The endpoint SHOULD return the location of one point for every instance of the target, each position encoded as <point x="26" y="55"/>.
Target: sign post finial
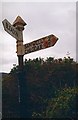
<point x="19" y="23"/>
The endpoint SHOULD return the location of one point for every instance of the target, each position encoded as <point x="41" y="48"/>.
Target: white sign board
<point x="42" y="43"/>
<point x="12" y="30"/>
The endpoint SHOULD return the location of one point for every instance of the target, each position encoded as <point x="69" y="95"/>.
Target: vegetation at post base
<point x="50" y="85"/>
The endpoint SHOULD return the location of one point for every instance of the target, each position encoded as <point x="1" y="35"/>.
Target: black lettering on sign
<point x="31" y="47"/>
<point x="14" y="32"/>
<point x="11" y="29"/>
<point x="6" y="25"/>
<point x="49" y="41"/>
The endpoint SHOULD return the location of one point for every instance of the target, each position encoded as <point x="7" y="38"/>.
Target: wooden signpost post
<point x="16" y="30"/>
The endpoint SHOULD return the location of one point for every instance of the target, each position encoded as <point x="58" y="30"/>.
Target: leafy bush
<point x="40" y="80"/>
<point x="62" y="106"/>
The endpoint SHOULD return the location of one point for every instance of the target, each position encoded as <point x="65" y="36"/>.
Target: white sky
<point x="58" y="18"/>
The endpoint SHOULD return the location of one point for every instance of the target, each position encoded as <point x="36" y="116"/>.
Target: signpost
<point x="42" y="43"/>
<point x="36" y="45"/>
<point x="16" y="30"/>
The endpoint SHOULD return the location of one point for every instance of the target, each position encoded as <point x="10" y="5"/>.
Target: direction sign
<point x="12" y="30"/>
<point x="41" y="43"/>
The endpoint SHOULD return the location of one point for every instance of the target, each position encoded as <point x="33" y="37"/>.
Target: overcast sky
<point x="42" y="19"/>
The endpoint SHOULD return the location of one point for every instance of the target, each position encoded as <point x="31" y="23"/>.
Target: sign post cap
<point x="19" y="21"/>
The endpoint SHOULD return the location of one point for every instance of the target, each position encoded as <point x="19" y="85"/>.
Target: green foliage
<point x="63" y="105"/>
<point x="43" y="79"/>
